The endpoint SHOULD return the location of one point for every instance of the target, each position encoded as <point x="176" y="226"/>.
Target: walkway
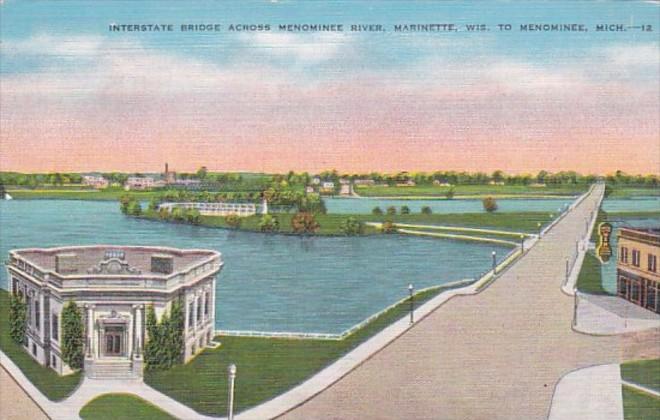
<point x="609" y="315"/>
<point x="14" y="402"/>
<point x="495" y="355"/>
<point x="592" y="393"/>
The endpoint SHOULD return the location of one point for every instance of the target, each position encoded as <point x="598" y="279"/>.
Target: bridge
<point x="498" y="354"/>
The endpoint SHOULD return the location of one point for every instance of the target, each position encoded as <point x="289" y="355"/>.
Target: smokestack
<point x="166" y="170"/>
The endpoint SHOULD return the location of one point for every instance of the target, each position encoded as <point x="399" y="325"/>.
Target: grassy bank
<point x="639" y="406"/>
<point x="631" y="192"/>
<point x="78" y="194"/>
<point x="590" y="278"/>
<point x="473" y="191"/>
<point x="122" y="406"/>
<point x="266" y="367"/>
<point x="52" y="385"/>
<point x="642" y="372"/>
<point x="330" y="223"/>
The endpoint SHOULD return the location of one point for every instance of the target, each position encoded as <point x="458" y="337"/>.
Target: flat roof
<point x="84" y="258"/>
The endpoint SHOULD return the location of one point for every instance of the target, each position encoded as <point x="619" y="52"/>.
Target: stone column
<point x="90" y="329"/>
<point x="139" y="338"/>
<point x="195" y="303"/>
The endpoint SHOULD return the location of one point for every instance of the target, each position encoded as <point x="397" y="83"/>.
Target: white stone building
<point x="113" y="285"/>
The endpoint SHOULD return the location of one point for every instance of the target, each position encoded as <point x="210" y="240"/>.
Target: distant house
<point x="496" y="183"/>
<point x="345" y="189"/>
<point x="140" y="183"/>
<point x="309" y="189"/>
<point x="327" y="187"/>
<point x="537" y="185"/>
<point x="408" y="183"/>
<point x="95" y="181"/>
<point x="441" y="184"/>
<point x="364" y="182"/>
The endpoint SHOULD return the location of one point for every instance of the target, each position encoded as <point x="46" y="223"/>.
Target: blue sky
<point x="58" y="59"/>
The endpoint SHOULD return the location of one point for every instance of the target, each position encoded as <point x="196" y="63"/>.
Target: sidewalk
<point x="90" y="388"/>
<point x="592" y="393"/>
<point x="611" y="315"/>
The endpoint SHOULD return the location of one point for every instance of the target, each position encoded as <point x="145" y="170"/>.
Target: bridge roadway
<point x="495" y="355"/>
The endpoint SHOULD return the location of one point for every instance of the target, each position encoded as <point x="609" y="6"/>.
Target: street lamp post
<point x="522" y="243"/>
<point x="538" y="225"/>
<point x="232" y="377"/>
<point x="494" y="254"/>
<point x="411" y="289"/>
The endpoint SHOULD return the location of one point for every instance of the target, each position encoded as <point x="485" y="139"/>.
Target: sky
<point x="75" y="96"/>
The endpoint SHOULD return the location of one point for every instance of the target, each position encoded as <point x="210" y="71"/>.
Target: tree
<point x="391" y="210"/>
<point x="233" y="221"/>
<point x="193" y="216"/>
<point x="202" y="172"/>
<point x="269" y="223"/>
<point x="352" y="227"/>
<point x="450" y="193"/>
<point x="134" y="208"/>
<point x="388" y="227"/>
<point x="153" y="204"/>
<point x="304" y="223"/>
<point x="17" y="318"/>
<point x="165" y="339"/>
<point x="490" y="205"/>
<point x="377" y="211"/>
<point x="426" y="210"/>
<point x="72" y="335"/>
<point x="405" y="210"/>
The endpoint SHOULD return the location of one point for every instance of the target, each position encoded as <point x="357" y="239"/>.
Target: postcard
<point x="329" y="209"/>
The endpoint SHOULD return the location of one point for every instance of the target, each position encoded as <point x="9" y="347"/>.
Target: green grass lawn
<point x="642" y="372"/>
<point x="330" y="223"/>
<point x="266" y="367"/>
<point x="628" y="192"/>
<point x="122" y="406"/>
<point x="77" y="194"/>
<point x="469" y="190"/>
<point x="52" y="385"/>
<point x="590" y="277"/>
<point x="640" y="406"/>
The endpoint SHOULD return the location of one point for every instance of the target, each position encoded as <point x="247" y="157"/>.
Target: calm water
<point x="269" y="283"/>
<point x="632" y="204"/>
<point x="365" y="205"/>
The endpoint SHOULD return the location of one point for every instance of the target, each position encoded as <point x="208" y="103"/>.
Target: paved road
<point x="14" y="402"/>
<point x="497" y="355"/>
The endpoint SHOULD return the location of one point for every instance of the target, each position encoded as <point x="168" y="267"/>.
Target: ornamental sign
<point x="604" y="250"/>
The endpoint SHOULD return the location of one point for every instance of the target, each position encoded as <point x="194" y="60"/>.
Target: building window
<point x="14" y="287"/>
<point x="37" y="315"/>
<point x="624" y="255"/>
<point x="53" y="362"/>
<point x="653" y="263"/>
<point x="55" y="333"/>
<point x="34" y="349"/>
<point x="199" y="310"/>
<point x="635" y="257"/>
<point x="190" y="314"/>
<point x="206" y="304"/>
<point x="622" y="286"/>
<point x="634" y="291"/>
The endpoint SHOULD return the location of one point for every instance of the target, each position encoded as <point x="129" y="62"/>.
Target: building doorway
<point x="114" y="341"/>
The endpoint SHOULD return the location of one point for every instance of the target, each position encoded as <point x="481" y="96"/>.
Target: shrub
<point x="427" y="210"/>
<point x="165" y="340"/>
<point x="490" y="205"/>
<point x="388" y="227"/>
<point x="17" y="318"/>
<point x="233" y="221"/>
<point x="153" y="204"/>
<point x="450" y="193"/>
<point x="405" y="210"/>
<point x="269" y="223"/>
<point x="72" y="335"/>
<point x="304" y="223"/>
<point x="352" y="227"/>
<point x="193" y="216"/>
<point x="377" y="211"/>
<point x="163" y="213"/>
<point x="134" y="208"/>
<point x="391" y="210"/>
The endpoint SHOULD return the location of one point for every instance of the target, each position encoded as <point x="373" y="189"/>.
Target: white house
<point x="113" y="286"/>
<point x="95" y="181"/>
<point x="139" y="183"/>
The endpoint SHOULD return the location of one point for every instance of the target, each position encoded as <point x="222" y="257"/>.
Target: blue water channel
<point x="270" y="282"/>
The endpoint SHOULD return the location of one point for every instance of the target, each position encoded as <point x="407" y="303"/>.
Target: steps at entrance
<point x="110" y="369"/>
